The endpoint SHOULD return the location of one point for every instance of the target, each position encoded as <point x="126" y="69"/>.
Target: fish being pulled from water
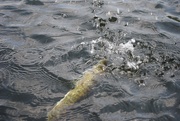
<point x="81" y="89"/>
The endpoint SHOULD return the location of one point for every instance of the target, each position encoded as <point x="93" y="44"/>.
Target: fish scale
<point x="81" y="89"/>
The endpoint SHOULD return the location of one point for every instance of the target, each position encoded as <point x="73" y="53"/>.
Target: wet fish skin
<point x="81" y="89"/>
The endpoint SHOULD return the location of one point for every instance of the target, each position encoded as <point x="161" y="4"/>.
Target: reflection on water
<point x="46" y="45"/>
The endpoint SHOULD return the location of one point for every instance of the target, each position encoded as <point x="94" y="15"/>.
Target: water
<point x="45" y="46"/>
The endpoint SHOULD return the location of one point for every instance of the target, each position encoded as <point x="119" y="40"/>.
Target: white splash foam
<point x="82" y="43"/>
<point x="118" y="52"/>
<point x="92" y="48"/>
<point x="112" y="47"/>
<point x="132" y="65"/>
<point x="127" y="46"/>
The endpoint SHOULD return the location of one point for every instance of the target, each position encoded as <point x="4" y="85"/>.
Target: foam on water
<point x="123" y="51"/>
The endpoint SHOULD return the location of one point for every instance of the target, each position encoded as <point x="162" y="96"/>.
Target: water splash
<point x="117" y="53"/>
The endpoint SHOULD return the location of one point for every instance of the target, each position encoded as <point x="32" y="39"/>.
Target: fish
<point x="81" y="89"/>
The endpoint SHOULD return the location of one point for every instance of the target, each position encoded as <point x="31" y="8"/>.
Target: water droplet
<point x="118" y="12"/>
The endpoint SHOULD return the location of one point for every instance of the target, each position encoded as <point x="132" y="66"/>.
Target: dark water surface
<point x="46" y="45"/>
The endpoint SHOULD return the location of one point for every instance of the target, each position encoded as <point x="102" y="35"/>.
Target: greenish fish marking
<point x="81" y="89"/>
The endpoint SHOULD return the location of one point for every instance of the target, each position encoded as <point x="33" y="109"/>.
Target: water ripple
<point x="46" y="45"/>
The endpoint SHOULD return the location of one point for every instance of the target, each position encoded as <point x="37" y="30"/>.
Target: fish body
<point x="81" y="89"/>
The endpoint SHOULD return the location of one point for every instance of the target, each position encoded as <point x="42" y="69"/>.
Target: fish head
<point x="100" y="67"/>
